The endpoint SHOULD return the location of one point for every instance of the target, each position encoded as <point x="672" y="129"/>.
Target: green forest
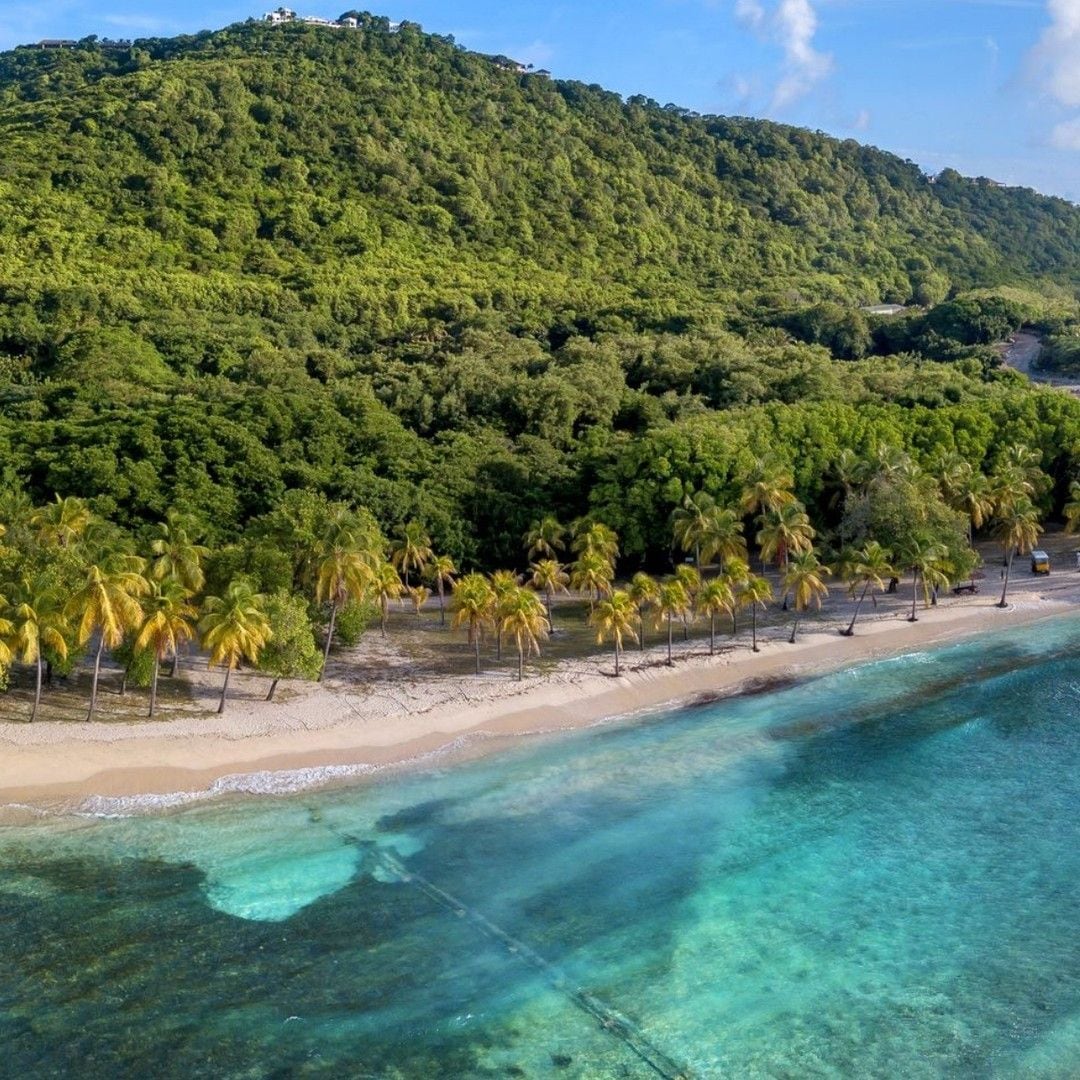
<point x="274" y="263"/>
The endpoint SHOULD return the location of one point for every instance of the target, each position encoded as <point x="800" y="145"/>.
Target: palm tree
<point x="969" y="492"/>
<point x="549" y="577"/>
<point x="419" y="595"/>
<point x="805" y="580"/>
<point x="724" y="537"/>
<point x="440" y="572"/>
<point x="545" y="539"/>
<point x="473" y="605"/>
<point x="927" y="560"/>
<point x="714" y="599"/>
<point x="37" y="623"/>
<point x="1072" y="509"/>
<point x="690" y="580"/>
<point x="755" y="592"/>
<point x="1017" y="528"/>
<point x="766" y="489"/>
<point x="63" y="522"/>
<point x="411" y="551"/>
<point x="784" y="532"/>
<point x="107" y="604"/>
<point x="344" y="572"/>
<point x="594" y="537"/>
<point x="176" y="555"/>
<point x="735" y="574"/>
<point x="522" y="616"/>
<point x="592" y="573"/>
<point x="234" y="627"/>
<point x="671" y="604"/>
<point x="503" y="584"/>
<point x="691" y="523"/>
<point x="614" y="618"/>
<point x="387" y="586"/>
<point x="870" y="567"/>
<point x="168" y="623"/>
<point x="643" y="592"/>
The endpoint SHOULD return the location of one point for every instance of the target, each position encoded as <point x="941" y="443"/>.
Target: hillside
<point x="372" y="263"/>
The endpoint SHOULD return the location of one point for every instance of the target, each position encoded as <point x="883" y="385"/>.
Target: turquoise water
<point x="875" y="873"/>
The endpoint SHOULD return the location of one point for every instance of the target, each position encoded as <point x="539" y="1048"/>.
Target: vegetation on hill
<point x="373" y="266"/>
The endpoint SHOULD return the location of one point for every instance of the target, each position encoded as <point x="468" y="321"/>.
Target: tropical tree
<point x="804" y="579"/>
<point x="927" y="559"/>
<point x="440" y="572"/>
<point x="234" y="627"/>
<point x="169" y="621"/>
<point x="593" y="573"/>
<point x="724" y="538"/>
<point x="291" y="652"/>
<point x="1072" y="509"/>
<point x="386" y="585"/>
<point x="345" y="571"/>
<point x="715" y="598"/>
<point x="107" y="604"/>
<point x="549" y="577"/>
<point x="419" y="595"/>
<point x="767" y="489"/>
<point x="754" y="592"/>
<point x="691" y="523"/>
<point x="411" y="550"/>
<point x="784" y="532"/>
<point x="63" y="522"/>
<point x="596" y="538"/>
<point x="37" y="622"/>
<point x="1017" y="529"/>
<point x="544" y="539"/>
<point x="522" y="616"/>
<point x="503" y="584"/>
<point x="614" y="618"/>
<point x="870" y="567"/>
<point x="176" y="555"/>
<point x="689" y="578"/>
<point x="671" y="604"/>
<point x="643" y="592"/>
<point x="736" y="572"/>
<point x="473" y="605"/>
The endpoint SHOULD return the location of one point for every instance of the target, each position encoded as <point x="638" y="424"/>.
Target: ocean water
<point x="871" y="874"/>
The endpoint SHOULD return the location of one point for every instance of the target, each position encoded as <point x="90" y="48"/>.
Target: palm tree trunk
<point x="329" y="640"/>
<point x="1005" y="586"/>
<point x="37" y="686"/>
<point x="641" y="628"/>
<point x="851" y="625"/>
<point x="914" y="594"/>
<point x="551" y="623"/>
<point x="498" y="643"/>
<point x="153" y="686"/>
<point x="476" y="646"/>
<point x="685" y="628"/>
<point x="442" y="604"/>
<point x="385" y="608"/>
<point x="126" y="675"/>
<point x="273" y="687"/>
<point x="175" y="663"/>
<point x="669" y="620"/>
<point x="794" y="630"/>
<point x="521" y="662"/>
<point x="224" y="690"/>
<point x="712" y="635"/>
<point x="734" y="623"/>
<point x="616" y="658"/>
<point x="97" y="672"/>
<point x="753" y="628"/>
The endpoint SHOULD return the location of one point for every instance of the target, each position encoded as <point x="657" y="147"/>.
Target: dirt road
<point x="1022" y="354"/>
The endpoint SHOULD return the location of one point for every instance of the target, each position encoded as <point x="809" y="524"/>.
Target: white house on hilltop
<point x="282" y="15"/>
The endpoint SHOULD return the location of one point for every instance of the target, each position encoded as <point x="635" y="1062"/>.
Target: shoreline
<point x="321" y="736"/>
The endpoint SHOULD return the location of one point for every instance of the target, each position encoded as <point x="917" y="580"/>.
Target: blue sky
<point x="991" y="87"/>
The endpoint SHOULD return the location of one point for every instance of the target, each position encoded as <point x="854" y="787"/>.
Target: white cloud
<point x="1057" y="60"/>
<point x="862" y="120"/>
<point x="793" y="25"/>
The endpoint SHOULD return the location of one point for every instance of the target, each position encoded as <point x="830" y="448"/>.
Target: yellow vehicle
<point x="1040" y="562"/>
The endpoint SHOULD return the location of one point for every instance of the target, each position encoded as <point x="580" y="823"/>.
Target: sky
<point x="989" y="87"/>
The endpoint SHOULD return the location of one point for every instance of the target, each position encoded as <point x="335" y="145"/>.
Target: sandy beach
<point x="342" y="729"/>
